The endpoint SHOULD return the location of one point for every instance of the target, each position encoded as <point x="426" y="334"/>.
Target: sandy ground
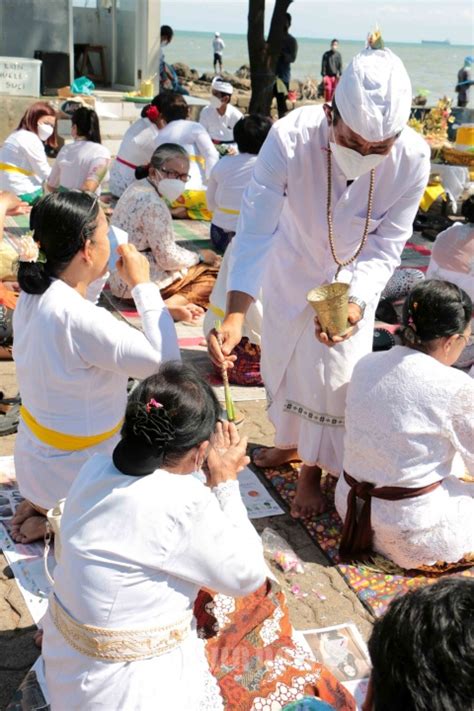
<point x="18" y="653"/>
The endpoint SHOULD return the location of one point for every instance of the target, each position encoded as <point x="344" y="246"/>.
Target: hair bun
<point x="152" y="424"/>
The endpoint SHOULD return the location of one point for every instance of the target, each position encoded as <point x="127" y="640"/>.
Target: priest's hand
<point x="227" y="454"/>
<point x="220" y="345"/>
<point x="354" y="316"/>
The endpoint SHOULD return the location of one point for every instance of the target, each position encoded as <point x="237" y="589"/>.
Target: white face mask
<point x="353" y="164"/>
<point x="215" y="102"/>
<point x="171" y="188"/>
<point x="45" y="131"/>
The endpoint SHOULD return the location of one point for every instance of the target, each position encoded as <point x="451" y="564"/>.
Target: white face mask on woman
<point x="354" y="164"/>
<point x="45" y="131"/>
<point x="171" y="188"/>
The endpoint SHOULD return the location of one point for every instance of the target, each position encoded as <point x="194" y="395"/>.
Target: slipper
<point x="9" y="420"/>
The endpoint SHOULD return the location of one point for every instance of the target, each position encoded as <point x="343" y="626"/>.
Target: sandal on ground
<point x="9" y="419"/>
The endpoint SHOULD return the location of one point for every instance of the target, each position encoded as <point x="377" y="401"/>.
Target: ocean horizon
<point x="432" y="67"/>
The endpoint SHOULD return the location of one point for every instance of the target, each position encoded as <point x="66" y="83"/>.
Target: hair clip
<point x="152" y="404"/>
<point x="152" y="113"/>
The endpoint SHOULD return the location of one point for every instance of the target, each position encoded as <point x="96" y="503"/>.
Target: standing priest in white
<point x="325" y="178"/>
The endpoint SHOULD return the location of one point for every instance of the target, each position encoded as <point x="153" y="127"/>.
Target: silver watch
<point x="361" y="304"/>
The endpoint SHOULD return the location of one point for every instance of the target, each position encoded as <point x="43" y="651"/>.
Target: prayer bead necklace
<point x="344" y="263"/>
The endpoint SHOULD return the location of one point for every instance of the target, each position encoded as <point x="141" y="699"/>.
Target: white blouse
<point x="23" y="149"/>
<point x="408" y="418"/>
<point x="228" y="180"/>
<point x="146" y="217"/>
<point x="136" y="551"/>
<point x="73" y="360"/>
<point x="78" y="162"/>
<point x="136" y="148"/>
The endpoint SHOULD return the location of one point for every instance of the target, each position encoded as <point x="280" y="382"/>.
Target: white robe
<point x="137" y="149"/>
<point x="73" y="360"/>
<point x="407" y="418"/>
<point x="135" y="552"/>
<point x="282" y="244"/>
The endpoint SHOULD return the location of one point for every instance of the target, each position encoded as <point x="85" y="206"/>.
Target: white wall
<point x="28" y="25"/>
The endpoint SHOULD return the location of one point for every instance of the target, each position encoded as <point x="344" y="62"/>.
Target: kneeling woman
<point x="73" y="358"/>
<point x="185" y="278"/>
<point x="140" y="535"/>
<point x="408" y="416"/>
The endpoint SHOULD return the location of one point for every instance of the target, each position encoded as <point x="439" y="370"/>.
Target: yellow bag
<point x="195" y="203"/>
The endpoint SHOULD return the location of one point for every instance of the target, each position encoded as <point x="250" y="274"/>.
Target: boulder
<point x="243" y="72"/>
<point x="185" y="72"/>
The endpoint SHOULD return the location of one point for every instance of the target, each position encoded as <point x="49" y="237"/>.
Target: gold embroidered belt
<point x="119" y="645"/>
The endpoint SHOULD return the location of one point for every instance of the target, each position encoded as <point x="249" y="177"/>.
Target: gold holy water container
<point x="146" y="88"/>
<point x="331" y="303"/>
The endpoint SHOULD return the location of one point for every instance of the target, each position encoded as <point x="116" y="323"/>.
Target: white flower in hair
<point x="28" y="249"/>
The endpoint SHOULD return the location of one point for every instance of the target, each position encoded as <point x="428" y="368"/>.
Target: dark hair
<point x="168" y="414"/>
<point x="86" y="122"/>
<point x="29" y="120"/>
<point x="467" y="209"/>
<point x="167" y="32"/>
<point x="173" y="107"/>
<point x="421" y="649"/>
<point x="167" y="151"/>
<point x="251" y="131"/>
<point x="434" y="309"/>
<point x="334" y="40"/>
<point x="288" y="19"/>
<point x="61" y="224"/>
<point x="156" y="102"/>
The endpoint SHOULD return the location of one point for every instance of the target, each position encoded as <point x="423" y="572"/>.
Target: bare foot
<point x="267" y="457"/>
<point x="38" y="638"/>
<point x="190" y="313"/>
<point x="24" y="510"/>
<point x="309" y="500"/>
<point x="33" y="529"/>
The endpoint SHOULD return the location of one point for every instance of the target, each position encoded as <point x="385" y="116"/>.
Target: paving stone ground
<point x="18" y="653"/>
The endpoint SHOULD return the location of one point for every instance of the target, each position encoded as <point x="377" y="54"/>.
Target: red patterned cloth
<point x="252" y="654"/>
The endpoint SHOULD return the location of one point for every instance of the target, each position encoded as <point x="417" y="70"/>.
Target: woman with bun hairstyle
<point x="140" y="536"/>
<point x="137" y="146"/>
<point x="73" y="359"/>
<point x="408" y="418"/>
<point x="83" y="164"/>
<point x="23" y="164"/>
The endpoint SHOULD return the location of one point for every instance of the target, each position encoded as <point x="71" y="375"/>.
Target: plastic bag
<point x="281" y="552"/>
<point x="82" y="85"/>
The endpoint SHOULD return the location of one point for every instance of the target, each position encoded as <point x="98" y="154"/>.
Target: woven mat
<point x="374" y="587"/>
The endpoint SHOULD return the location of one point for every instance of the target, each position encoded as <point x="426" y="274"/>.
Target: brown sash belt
<point x="356" y="540"/>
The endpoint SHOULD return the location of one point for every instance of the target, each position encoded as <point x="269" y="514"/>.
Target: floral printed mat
<point x="374" y="587"/>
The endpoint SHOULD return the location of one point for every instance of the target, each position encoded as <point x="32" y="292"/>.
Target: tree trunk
<point x="264" y="53"/>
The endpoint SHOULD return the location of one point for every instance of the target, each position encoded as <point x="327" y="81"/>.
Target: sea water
<point x="430" y="66"/>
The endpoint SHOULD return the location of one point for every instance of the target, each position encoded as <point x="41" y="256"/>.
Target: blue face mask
<point x="116" y="237"/>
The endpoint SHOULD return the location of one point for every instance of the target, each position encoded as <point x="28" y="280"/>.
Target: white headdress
<point x="374" y="95"/>
<point x="225" y="87"/>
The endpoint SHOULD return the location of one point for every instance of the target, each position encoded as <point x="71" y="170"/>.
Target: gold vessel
<point x="331" y="303"/>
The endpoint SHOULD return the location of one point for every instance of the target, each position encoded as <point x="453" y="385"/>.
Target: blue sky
<point x="400" y="20"/>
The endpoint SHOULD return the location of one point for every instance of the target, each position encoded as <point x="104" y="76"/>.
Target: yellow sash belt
<point x="217" y="311"/>
<point x="228" y="211"/>
<point x="198" y="159"/>
<point x="61" y="440"/>
<point x="15" y="169"/>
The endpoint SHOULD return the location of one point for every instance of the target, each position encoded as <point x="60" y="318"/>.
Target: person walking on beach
<point x="464" y="82"/>
<point x="333" y="188"/>
<point x="331" y="70"/>
<point x="218" y="47"/>
<point x="287" y="56"/>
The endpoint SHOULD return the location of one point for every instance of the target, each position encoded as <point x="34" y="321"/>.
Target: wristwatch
<point x="358" y="302"/>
